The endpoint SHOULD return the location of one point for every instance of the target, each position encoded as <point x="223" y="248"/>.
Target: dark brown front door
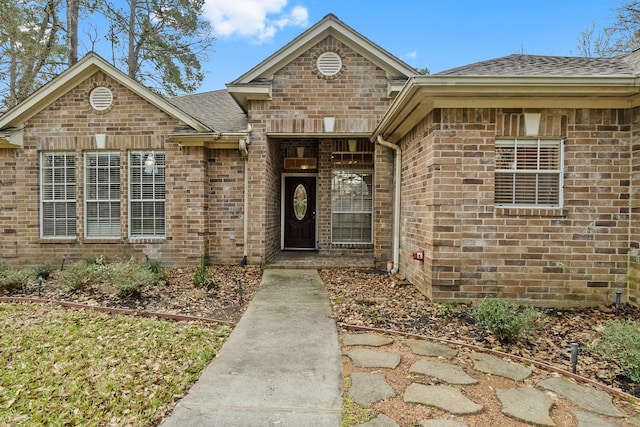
<point x="299" y="212"/>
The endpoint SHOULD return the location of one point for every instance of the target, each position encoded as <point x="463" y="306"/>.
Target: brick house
<point x="513" y="177"/>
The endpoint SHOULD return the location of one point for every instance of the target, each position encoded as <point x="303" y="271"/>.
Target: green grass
<point x="68" y="367"/>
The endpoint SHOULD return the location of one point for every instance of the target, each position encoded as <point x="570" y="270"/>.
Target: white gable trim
<point x="73" y="76"/>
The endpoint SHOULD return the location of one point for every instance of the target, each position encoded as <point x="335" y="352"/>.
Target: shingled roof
<point x="538" y="65"/>
<point x="216" y="109"/>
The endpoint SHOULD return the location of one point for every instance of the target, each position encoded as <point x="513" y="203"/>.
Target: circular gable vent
<point x="101" y="98"/>
<point x="329" y="64"/>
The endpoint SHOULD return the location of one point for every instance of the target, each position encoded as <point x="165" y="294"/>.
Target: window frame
<point x="538" y="171"/>
<point x="358" y="163"/>
<point x="70" y="200"/>
<point x="113" y="220"/>
<point x="140" y="167"/>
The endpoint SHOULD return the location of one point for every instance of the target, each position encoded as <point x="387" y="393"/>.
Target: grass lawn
<point x="69" y="367"/>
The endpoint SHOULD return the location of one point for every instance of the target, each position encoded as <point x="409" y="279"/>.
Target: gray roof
<point x="538" y="65"/>
<point x="216" y="109"/>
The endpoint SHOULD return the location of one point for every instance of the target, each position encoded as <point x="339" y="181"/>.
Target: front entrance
<point x="299" y="212"/>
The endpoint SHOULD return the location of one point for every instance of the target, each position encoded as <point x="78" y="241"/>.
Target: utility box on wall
<point x="418" y="254"/>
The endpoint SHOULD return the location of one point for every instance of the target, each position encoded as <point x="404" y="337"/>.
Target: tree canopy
<point x="621" y="37"/>
<point x="159" y="43"/>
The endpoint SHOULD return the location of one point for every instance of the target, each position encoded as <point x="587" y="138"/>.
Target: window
<point x="102" y="194"/>
<point x="57" y="195"/>
<point x="528" y="173"/>
<point x="147" y="194"/>
<point x="351" y="195"/>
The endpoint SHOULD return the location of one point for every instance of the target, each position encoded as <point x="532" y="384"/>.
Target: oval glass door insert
<point x="300" y="202"/>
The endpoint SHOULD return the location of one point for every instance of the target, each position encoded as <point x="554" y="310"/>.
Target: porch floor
<point x="313" y="259"/>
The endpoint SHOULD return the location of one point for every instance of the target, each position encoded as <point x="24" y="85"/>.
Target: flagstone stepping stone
<point x="431" y="349"/>
<point x="526" y="404"/>
<point x="587" y="419"/>
<point x="441" y="423"/>
<point x="380" y="421"/>
<point x="374" y="359"/>
<point x="495" y="366"/>
<point x="635" y="421"/>
<point x="453" y="374"/>
<point x="441" y="396"/>
<point x="584" y="396"/>
<point x="367" y="388"/>
<point x="373" y="340"/>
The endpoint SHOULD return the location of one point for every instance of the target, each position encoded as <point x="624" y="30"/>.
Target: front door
<point x="299" y="218"/>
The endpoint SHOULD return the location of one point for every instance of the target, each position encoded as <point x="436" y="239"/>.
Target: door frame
<point x="282" y="210"/>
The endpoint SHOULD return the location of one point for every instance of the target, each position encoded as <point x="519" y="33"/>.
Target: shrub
<point x="78" y="275"/>
<point x="202" y="277"/>
<point x="622" y="340"/>
<point x="505" y="319"/>
<point x="16" y="280"/>
<point x="43" y="270"/>
<point x="131" y="280"/>
<point x="156" y="268"/>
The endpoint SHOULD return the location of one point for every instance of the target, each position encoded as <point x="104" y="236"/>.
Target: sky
<point x="437" y="35"/>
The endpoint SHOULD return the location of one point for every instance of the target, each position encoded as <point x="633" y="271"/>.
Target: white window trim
<point x="152" y="168"/>
<point x="87" y="201"/>
<point x="365" y="212"/>
<point x="73" y="200"/>
<point x="560" y="172"/>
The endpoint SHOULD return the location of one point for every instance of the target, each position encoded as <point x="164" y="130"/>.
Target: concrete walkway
<point x="280" y="366"/>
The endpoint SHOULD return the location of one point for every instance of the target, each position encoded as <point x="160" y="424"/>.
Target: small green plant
<point x="449" y="311"/>
<point x="43" y="270"/>
<point x="130" y="280"/>
<point x="621" y="339"/>
<point x="156" y="268"/>
<point x="16" y="279"/>
<point x="202" y="277"/>
<point x="506" y="320"/>
<point x="78" y="275"/>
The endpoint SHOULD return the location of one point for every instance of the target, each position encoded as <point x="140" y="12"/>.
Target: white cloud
<point x="257" y="19"/>
<point x="411" y="55"/>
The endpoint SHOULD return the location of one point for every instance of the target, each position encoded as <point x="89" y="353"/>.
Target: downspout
<point x="244" y="150"/>
<point x="397" y="169"/>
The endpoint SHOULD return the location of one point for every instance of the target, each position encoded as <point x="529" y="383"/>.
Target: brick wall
<point x="69" y="124"/>
<point x="225" y="188"/>
<point x="634" y="229"/>
<point x="301" y="98"/>
<point x="571" y="256"/>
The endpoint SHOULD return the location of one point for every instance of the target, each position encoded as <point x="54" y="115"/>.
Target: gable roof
<point x="216" y="109"/>
<point x="13" y="120"/>
<point x="538" y="65"/>
<point x="256" y="83"/>
<point x="517" y="81"/>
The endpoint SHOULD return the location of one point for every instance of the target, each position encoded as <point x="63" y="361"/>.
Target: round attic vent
<point x="329" y="64"/>
<point x="101" y="98"/>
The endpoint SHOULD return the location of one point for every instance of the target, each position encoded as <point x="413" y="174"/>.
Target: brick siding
<point x="571" y="256"/>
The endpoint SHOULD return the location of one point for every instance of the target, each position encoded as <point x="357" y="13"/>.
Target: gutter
<point x="397" y="169"/>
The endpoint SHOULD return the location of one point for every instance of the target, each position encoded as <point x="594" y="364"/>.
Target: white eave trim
<point x="225" y="140"/>
<point x="84" y="68"/>
<point x="421" y="94"/>
<point x="12" y="139"/>
<point x="243" y="93"/>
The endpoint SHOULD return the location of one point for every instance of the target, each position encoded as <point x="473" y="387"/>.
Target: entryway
<point x="299" y="212"/>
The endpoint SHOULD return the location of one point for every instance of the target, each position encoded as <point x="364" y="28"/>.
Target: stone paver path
<point x="453" y="374"/>
<point x="527" y="402"/>
<point x="585" y="397"/>
<point x="368" y="388"/>
<point x="441" y="396"/>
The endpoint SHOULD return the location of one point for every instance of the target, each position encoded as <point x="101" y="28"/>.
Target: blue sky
<point x="425" y="33"/>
